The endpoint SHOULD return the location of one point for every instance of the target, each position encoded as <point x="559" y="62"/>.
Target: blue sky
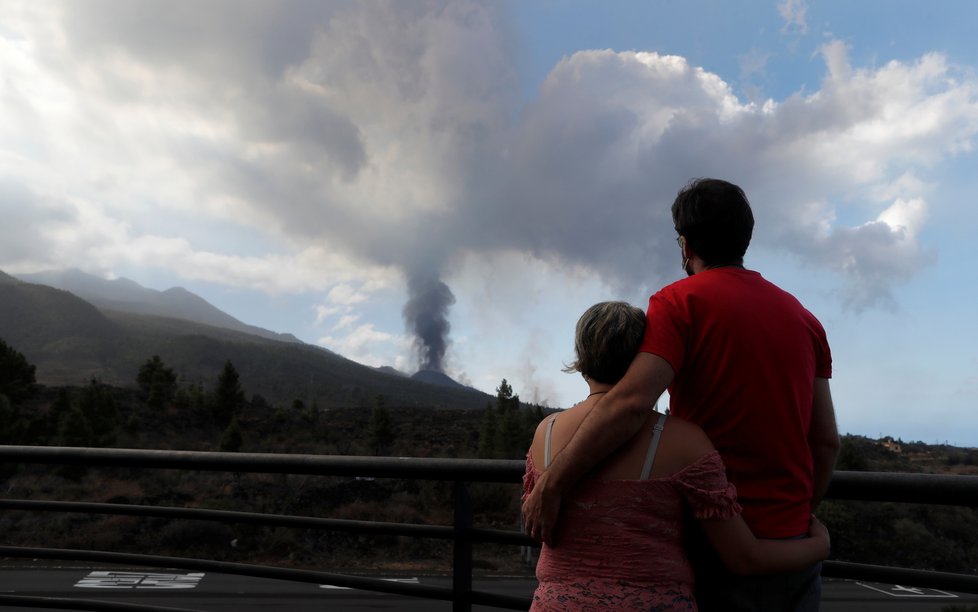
<point x="321" y="168"/>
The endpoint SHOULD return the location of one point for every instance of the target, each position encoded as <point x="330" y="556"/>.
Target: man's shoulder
<point x="678" y="287"/>
<point x="711" y="280"/>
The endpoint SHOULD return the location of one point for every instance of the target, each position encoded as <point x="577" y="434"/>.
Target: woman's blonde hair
<point x="607" y="337"/>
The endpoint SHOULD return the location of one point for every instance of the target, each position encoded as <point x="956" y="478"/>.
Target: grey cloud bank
<point x="395" y="133"/>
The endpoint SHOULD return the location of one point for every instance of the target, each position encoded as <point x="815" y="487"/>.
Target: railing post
<point x="462" y="558"/>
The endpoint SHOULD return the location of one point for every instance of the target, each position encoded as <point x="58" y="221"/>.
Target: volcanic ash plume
<point x="426" y="314"/>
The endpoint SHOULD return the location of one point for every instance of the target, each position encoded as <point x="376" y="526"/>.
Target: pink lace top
<point x="620" y="542"/>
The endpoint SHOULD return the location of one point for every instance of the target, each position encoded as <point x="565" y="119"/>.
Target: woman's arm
<point x="745" y="554"/>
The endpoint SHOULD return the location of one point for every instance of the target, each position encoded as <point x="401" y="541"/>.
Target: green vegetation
<point x="903" y="535"/>
<point x="17" y="384"/>
<point x="229" y="397"/>
<point x="17" y="376"/>
<point x="164" y="410"/>
<point x="157" y="383"/>
<point x="507" y="428"/>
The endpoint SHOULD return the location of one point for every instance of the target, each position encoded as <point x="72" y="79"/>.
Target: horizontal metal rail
<point x="931" y="489"/>
<point x="859" y="486"/>
<point x="442" y="532"/>
<point x="467" y="470"/>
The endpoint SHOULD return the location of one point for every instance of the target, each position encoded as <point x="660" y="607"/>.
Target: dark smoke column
<point x="426" y="315"/>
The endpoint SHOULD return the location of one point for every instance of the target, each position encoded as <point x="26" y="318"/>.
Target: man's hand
<point x="540" y="511"/>
<point x="819" y="533"/>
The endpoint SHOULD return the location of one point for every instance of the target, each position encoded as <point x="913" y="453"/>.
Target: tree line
<point x="89" y="415"/>
<point x="161" y="411"/>
<point x="99" y="415"/>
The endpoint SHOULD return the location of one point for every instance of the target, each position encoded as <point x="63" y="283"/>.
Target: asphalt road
<point x="221" y="592"/>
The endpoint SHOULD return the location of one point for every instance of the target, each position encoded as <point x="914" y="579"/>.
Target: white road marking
<point x="404" y="580"/>
<point x="138" y="580"/>
<point x="896" y="590"/>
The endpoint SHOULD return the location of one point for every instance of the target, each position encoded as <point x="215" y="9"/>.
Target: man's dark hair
<point x="716" y="219"/>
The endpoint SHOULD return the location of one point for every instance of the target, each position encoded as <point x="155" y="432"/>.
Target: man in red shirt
<point x="748" y="364"/>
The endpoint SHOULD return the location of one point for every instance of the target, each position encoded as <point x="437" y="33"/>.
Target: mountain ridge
<point x="70" y="340"/>
<point x="123" y="294"/>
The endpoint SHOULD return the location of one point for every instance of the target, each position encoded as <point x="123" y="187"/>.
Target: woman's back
<point x="680" y="444"/>
<point x="620" y="538"/>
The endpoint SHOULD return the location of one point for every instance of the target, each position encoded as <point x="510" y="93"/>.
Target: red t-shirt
<point x="746" y="355"/>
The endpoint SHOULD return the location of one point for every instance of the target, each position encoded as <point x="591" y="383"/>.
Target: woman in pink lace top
<point x="619" y="544"/>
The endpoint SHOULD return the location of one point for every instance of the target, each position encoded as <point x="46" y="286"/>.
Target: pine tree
<point x="17" y="376"/>
<point x="509" y="440"/>
<point x="232" y="440"/>
<point x="98" y="408"/>
<point x="531" y="418"/>
<point x="228" y="396"/>
<point x="74" y="429"/>
<point x="157" y="382"/>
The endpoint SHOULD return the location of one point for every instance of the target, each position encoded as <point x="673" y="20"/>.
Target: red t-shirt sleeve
<point x="666" y="325"/>
<point x="823" y="355"/>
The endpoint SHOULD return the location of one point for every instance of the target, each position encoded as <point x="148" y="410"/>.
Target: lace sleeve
<point x="705" y="486"/>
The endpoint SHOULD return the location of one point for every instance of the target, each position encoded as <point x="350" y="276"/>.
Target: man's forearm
<point x="823" y="458"/>
<point x="823" y="439"/>
<point x="602" y="431"/>
<point x="614" y="419"/>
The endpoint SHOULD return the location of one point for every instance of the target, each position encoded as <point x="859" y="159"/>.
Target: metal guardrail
<point x="860" y="486"/>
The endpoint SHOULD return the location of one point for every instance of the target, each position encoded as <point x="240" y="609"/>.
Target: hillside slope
<point x="70" y="341"/>
<point x="67" y="338"/>
<point x="124" y="295"/>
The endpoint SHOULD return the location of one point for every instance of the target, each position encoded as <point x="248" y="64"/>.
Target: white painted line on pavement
<point x="896" y="590"/>
<point x="138" y="580"/>
<point x="404" y="580"/>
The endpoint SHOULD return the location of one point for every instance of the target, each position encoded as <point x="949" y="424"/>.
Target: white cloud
<point x="795" y="16"/>
<point x="345" y="295"/>
<point x="369" y="346"/>
<point x="346" y="322"/>
<point x="905" y="216"/>
<point x="324" y="312"/>
<point x="336" y="147"/>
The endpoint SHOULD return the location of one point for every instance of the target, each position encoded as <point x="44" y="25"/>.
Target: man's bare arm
<point x="614" y="420"/>
<point x="823" y="439"/>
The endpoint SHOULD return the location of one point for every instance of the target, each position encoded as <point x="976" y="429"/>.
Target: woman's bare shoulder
<point x="686" y="439"/>
<point x="569" y="418"/>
